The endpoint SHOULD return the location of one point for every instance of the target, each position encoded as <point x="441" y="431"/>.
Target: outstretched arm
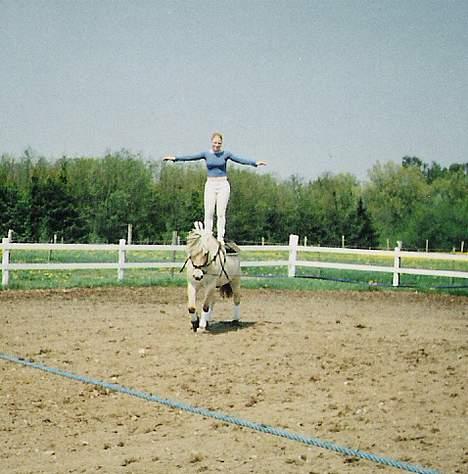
<point x="197" y="156"/>
<point x="246" y="161"/>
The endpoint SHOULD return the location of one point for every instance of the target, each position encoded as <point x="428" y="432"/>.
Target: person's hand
<point x="168" y="158"/>
<point x="261" y="163"/>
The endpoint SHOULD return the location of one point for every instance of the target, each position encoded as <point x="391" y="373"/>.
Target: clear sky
<point x="310" y="86"/>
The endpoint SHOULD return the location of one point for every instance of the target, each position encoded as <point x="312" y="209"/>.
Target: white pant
<point x="217" y="191"/>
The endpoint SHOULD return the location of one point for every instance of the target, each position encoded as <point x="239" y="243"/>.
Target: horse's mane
<point x="200" y="240"/>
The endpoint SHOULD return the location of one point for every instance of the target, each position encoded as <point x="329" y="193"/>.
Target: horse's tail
<point x="226" y="290"/>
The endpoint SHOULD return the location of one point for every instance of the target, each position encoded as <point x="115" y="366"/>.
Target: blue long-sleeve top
<point x="216" y="163"/>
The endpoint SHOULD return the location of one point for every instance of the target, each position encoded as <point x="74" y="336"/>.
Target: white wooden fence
<point x="292" y="263"/>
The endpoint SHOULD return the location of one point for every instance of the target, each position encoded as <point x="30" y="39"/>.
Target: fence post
<point x="50" y="251"/>
<point x="129" y="233"/>
<point x="174" y="242"/>
<point x="122" y="252"/>
<point x="396" y="266"/>
<point x="5" y="262"/>
<point x="293" y="241"/>
<point x="342" y="241"/>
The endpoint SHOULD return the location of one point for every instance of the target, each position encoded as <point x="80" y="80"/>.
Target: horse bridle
<point x="207" y="263"/>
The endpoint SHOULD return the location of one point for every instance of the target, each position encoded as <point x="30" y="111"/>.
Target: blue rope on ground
<point x="348" y="280"/>
<point x="379" y="284"/>
<point x="359" y="282"/>
<point x="338" y="280"/>
<point x="222" y="417"/>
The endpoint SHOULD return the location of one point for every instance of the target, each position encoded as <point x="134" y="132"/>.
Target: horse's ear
<point x="198" y="225"/>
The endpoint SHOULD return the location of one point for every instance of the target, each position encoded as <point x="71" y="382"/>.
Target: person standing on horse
<point x="217" y="188"/>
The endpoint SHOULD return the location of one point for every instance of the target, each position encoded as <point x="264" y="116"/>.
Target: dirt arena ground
<point x="383" y="372"/>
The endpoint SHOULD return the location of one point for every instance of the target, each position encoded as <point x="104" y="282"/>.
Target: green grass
<point x="101" y="256"/>
<point x="309" y="279"/>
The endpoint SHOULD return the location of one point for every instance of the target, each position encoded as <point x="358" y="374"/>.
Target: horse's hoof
<point x="201" y="330"/>
<point x="195" y="325"/>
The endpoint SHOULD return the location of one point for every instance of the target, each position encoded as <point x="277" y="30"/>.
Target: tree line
<point x="93" y="199"/>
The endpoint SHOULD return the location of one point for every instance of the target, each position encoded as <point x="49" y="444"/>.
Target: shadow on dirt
<point x="221" y="327"/>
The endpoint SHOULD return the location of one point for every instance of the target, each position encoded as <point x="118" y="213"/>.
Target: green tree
<point x="93" y="199"/>
<point x="14" y="210"/>
<point x="281" y="201"/>
<point x="327" y="208"/>
<point x="442" y="219"/>
<point x="392" y="195"/>
<point x="362" y="233"/>
<point x="53" y="210"/>
<point x="112" y="192"/>
<point x="251" y="205"/>
<point x="179" y="191"/>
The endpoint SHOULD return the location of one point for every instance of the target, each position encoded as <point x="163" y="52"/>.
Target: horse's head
<point x="202" y="250"/>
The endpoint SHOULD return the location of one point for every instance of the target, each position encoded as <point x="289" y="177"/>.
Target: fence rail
<point x="292" y="263"/>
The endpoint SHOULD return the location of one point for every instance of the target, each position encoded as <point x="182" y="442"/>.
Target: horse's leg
<point x="206" y="310"/>
<point x="211" y="311"/>
<point x="236" y="296"/>
<point x="208" y="306"/>
<point x="192" y="308"/>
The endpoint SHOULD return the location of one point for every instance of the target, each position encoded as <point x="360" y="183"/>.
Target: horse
<point x="211" y="266"/>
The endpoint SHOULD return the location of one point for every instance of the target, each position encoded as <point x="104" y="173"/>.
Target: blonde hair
<point x="217" y="134"/>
